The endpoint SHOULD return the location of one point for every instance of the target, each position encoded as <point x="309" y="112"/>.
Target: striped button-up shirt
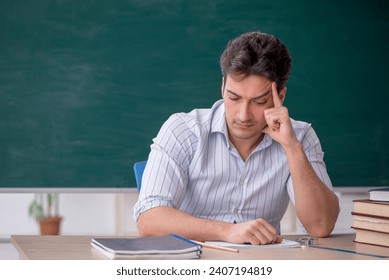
<point x="194" y="167"/>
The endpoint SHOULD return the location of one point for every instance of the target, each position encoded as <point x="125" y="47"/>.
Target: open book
<point x="155" y="247"/>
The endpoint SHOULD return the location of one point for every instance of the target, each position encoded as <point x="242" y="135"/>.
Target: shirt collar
<point x="218" y="118"/>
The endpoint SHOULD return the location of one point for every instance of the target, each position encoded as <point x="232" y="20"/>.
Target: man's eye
<point x="234" y="98"/>
<point x="260" y="102"/>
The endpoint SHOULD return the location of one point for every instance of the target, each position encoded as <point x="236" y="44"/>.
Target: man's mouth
<point x="243" y="125"/>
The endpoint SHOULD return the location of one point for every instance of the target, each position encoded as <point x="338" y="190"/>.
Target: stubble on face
<point x="252" y="90"/>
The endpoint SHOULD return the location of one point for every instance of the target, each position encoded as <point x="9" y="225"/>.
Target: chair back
<point x="139" y="167"/>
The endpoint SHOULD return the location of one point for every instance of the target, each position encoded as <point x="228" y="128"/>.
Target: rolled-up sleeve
<point x="165" y="176"/>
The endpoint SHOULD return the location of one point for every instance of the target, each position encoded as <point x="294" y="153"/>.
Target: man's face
<point x="245" y="101"/>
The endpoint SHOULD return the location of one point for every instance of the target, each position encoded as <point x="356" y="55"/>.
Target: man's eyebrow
<point x="255" y="97"/>
<point x="262" y="95"/>
<point x="234" y="93"/>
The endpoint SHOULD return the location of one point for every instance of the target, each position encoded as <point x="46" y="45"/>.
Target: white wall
<point x="111" y="213"/>
<point x="84" y="213"/>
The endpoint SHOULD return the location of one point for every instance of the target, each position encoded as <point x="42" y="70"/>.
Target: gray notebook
<point x="155" y="247"/>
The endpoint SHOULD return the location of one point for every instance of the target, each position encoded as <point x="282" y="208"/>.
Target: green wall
<point x="86" y="85"/>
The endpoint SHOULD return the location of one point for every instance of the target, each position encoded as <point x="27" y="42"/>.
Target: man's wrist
<point x="292" y="148"/>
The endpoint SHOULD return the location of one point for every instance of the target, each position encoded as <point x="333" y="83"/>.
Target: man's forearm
<point x="316" y="205"/>
<point x="166" y="220"/>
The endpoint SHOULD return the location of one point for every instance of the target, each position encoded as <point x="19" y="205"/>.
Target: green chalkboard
<point x="86" y="85"/>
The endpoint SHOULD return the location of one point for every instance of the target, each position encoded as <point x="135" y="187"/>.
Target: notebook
<point x="154" y="247"/>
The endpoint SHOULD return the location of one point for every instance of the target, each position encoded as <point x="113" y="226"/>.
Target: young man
<point x="227" y="173"/>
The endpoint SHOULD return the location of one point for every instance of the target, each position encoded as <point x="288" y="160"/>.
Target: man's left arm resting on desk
<point x="316" y="205"/>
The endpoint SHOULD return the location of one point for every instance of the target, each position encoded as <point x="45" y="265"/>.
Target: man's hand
<point x="279" y="126"/>
<point x="257" y="232"/>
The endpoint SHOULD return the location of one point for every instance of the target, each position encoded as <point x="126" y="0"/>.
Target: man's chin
<point x="247" y="136"/>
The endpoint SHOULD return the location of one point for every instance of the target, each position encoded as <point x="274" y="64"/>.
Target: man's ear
<point x="282" y="95"/>
<point x="223" y="84"/>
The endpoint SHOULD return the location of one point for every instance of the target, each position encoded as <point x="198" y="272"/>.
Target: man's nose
<point x="244" y="112"/>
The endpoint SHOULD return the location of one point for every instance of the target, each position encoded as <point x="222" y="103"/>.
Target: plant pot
<point x="50" y="225"/>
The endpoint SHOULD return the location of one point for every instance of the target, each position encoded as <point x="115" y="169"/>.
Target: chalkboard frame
<point x="86" y="85"/>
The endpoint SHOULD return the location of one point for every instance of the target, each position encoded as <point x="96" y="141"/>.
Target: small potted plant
<point x="44" y="209"/>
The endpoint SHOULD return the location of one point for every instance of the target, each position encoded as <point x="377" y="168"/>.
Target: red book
<point x="371" y="237"/>
<point x="370" y="207"/>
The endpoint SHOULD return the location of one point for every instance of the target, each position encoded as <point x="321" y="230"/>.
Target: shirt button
<point x="241" y="183"/>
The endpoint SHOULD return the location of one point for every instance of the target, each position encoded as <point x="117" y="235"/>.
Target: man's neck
<point x="246" y="147"/>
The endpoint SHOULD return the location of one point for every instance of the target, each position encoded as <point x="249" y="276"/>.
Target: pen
<point x="206" y="245"/>
<point x="217" y="247"/>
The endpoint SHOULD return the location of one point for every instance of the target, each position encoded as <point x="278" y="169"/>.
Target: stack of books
<point x="155" y="247"/>
<point x="371" y="218"/>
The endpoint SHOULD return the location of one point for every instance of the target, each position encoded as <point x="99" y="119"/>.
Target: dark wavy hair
<point x="257" y="53"/>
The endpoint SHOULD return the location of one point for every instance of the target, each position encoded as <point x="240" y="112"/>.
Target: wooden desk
<point x="64" y="247"/>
